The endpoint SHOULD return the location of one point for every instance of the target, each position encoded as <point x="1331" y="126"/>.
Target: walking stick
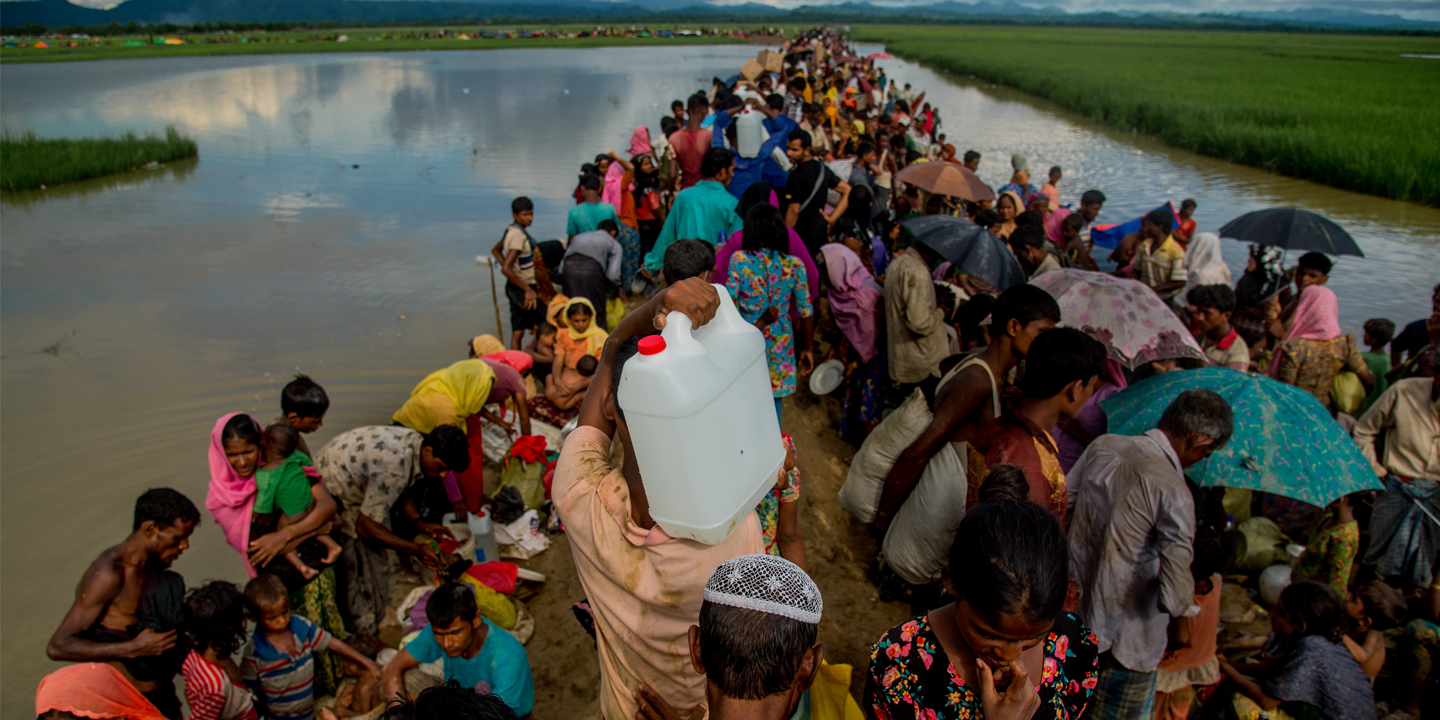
<point x="494" y="295"/>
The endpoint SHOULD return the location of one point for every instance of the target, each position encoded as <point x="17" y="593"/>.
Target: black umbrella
<point x="968" y="247"/>
<point x="1292" y="229"/>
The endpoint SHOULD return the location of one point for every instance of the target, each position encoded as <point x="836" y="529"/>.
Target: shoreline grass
<point x="29" y="162"/>
<point x="360" y="40"/>
<point x="1346" y="111"/>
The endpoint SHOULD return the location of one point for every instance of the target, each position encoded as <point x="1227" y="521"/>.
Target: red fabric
<point x="496" y="575"/>
<point x="472" y="481"/>
<point x="93" y="690"/>
<point x="1228" y="340"/>
<point x="690" y="147"/>
<point x="530" y="448"/>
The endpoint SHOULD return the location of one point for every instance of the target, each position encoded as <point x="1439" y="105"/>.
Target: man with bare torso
<point x="128" y="603"/>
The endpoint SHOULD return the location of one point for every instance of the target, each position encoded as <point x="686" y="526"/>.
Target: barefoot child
<point x="279" y="662"/>
<point x="281" y="483"/>
<point x="360" y="696"/>
<point x="1371" y="609"/>
<point x="568" y="388"/>
<point x="542" y="350"/>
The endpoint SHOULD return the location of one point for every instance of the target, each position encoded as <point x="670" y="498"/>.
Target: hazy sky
<point x="1414" y="9"/>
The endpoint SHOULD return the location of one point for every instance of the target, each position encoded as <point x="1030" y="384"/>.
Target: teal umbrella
<point x="1285" y="442"/>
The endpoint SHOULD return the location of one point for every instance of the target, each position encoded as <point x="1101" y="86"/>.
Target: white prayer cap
<point x="767" y="584"/>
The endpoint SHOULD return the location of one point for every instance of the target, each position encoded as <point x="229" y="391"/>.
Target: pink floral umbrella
<point x="1135" y="325"/>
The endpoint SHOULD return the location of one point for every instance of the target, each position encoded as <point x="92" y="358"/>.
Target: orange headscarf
<point x="93" y="690"/>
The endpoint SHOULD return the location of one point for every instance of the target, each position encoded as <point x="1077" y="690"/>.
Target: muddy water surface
<point x="136" y="309"/>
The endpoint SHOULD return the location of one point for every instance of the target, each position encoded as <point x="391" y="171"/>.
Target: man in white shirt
<point x="1132" y="527"/>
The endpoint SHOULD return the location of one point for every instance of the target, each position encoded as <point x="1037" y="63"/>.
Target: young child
<point x="755" y="644"/>
<point x="1330" y="556"/>
<point x="1313" y="668"/>
<point x="279" y="662"/>
<point x="1189" y="659"/>
<point x="303" y="404"/>
<point x="214" y="626"/>
<point x="360" y="696"/>
<point x="1378" y="333"/>
<point x="1051" y="188"/>
<point x="1371" y="609"/>
<point x="542" y="350"/>
<point x="1186" y="228"/>
<point x="780" y="515"/>
<point x="281" y="483"/>
<point x="1210" y="308"/>
<point x="567" y="389"/>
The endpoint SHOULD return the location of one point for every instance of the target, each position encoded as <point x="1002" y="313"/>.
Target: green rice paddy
<point x="1351" y="111"/>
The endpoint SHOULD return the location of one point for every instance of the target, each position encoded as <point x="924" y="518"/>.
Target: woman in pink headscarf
<point x="855" y="302"/>
<point x="619" y="181"/>
<point x="236" y="450"/>
<point x="1313" y="351"/>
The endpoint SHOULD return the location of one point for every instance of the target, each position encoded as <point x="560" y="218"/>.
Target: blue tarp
<point x="1110" y="235"/>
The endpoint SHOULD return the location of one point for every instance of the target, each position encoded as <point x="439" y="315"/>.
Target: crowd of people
<point x="1053" y="569"/>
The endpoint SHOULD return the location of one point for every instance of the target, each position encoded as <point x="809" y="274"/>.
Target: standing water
<point x="135" y="310"/>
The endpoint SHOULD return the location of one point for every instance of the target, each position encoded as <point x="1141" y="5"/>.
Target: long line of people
<point x="1051" y="567"/>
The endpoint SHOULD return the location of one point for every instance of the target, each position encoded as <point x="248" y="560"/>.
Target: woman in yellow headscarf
<point x="447" y="397"/>
<point x="579" y="336"/>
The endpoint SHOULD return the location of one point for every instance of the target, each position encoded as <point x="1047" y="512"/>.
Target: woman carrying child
<point x="578" y="334"/>
<point x="236" y="453"/>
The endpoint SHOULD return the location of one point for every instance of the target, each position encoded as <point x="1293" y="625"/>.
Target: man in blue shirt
<point x="705" y="212"/>
<point x="477" y="653"/>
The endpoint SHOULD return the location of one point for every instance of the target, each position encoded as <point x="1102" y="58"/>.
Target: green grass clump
<point x="27" y="162"/>
<point x="1343" y="110"/>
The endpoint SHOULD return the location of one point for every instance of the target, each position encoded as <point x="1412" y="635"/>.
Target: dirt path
<point x="567" y="674"/>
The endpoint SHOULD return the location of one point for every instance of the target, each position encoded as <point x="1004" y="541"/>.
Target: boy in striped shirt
<point x="279" y="662"/>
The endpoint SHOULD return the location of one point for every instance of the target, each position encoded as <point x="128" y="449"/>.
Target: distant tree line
<point x="805" y="16"/>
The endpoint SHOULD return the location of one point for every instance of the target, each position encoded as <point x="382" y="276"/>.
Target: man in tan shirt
<point x="644" y="587"/>
<point x="914" y="322"/>
<point x="1401" y="541"/>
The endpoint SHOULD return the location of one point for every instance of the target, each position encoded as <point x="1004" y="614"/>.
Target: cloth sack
<point x="860" y="495"/>
<point x="1347" y="392"/>
<point x="917" y="545"/>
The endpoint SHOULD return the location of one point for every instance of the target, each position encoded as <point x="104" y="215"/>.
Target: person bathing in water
<point x="281" y="483"/>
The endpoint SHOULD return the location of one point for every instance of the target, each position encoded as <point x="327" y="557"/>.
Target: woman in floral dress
<point x="1004" y="648"/>
<point x="764" y="277"/>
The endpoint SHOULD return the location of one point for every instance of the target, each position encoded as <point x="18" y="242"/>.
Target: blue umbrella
<point x="1285" y="442"/>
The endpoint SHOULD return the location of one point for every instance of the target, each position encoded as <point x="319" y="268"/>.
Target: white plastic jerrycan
<point x="749" y="132"/>
<point x="702" y="420"/>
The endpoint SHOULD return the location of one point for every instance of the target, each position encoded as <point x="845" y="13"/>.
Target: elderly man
<point x="128" y="604"/>
<point x="1132" y="525"/>
<point x="1402" y="541"/>
<point x="369" y="469"/>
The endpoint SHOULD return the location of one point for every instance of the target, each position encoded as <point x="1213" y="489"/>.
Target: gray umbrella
<point x="968" y="247"/>
<point x="1292" y="229"/>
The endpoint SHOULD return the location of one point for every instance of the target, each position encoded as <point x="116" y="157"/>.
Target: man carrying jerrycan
<point x="643" y="585"/>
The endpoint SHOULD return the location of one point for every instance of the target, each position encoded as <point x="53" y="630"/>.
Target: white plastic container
<point x="749" y="132"/>
<point x="482" y="532"/>
<point x="702" y="420"/>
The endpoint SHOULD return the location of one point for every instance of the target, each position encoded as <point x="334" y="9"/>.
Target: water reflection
<point x="330" y="227"/>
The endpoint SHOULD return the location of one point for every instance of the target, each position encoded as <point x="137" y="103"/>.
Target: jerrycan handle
<point x="679" y="338"/>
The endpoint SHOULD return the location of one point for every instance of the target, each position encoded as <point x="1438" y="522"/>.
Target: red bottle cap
<point x="651" y="344"/>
